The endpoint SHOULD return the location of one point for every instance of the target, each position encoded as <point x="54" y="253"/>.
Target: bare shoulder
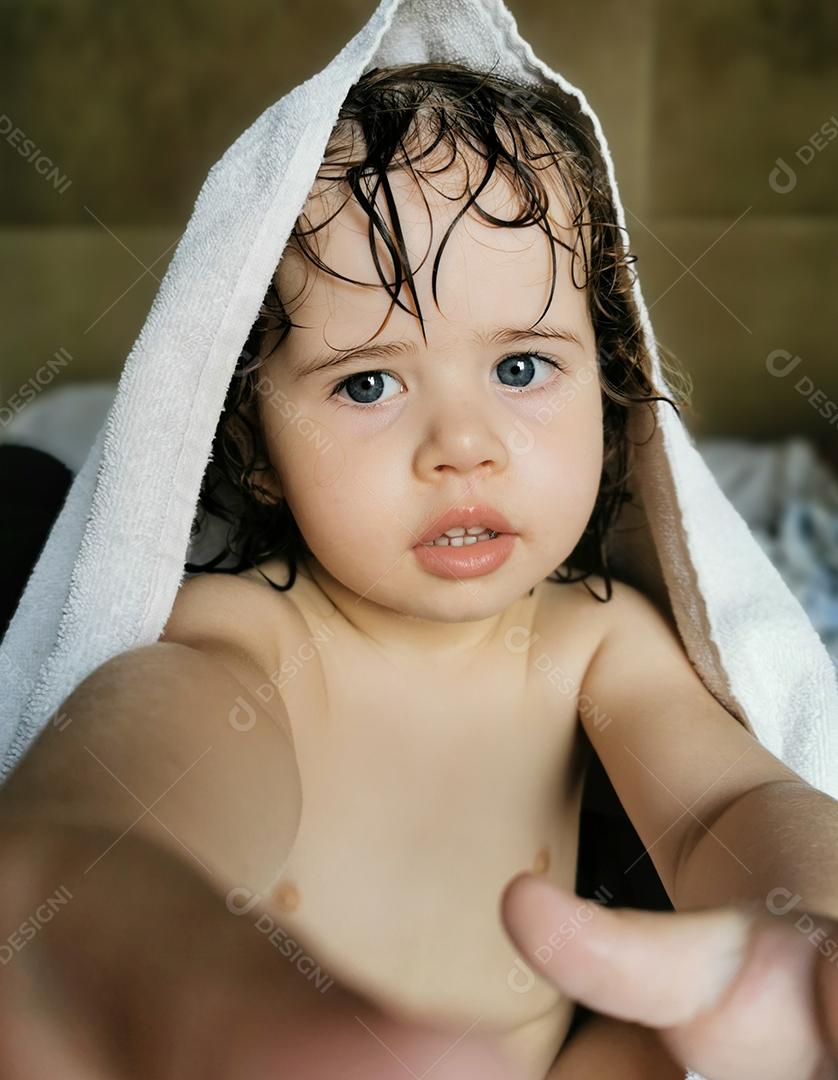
<point x="231" y="617"/>
<point x="587" y="609"/>
<point x="616" y="608"/>
<point x="639" y="648"/>
<point x="638" y="631"/>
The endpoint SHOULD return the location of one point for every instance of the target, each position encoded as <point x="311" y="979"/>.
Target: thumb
<point x="644" y="967"/>
<point x="734" y="993"/>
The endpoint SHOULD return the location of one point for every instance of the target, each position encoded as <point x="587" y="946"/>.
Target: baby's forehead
<point x="484" y="268"/>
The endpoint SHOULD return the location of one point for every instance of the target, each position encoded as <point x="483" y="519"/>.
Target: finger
<point x="639" y="966"/>
<point x="826" y="984"/>
<point x="730" y="992"/>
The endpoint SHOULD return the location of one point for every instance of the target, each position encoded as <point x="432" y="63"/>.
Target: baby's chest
<point x="420" y="803"/>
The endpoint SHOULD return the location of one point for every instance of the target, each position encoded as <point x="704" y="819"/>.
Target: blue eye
<point x="367" y="385"/>
<point x="521" y="366"/>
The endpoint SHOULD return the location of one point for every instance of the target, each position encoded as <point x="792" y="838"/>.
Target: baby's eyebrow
<point x="389" y="350"/>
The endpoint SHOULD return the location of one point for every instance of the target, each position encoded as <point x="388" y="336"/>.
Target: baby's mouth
<point x="461" y="537"/>
<point x="463" y="526"/>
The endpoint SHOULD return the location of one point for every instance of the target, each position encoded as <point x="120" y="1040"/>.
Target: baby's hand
<point x="735" y="993"/>
<point x="117" y="960"/>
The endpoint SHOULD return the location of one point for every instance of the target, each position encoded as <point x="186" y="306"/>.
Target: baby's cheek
<point x="306" y="450"/>
<point x="562" y="476"/>
<point x="567" y="458"/>
<point x="317" y="509"/>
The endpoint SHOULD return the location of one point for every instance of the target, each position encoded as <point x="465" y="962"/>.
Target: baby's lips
<point x="467" y="517"/>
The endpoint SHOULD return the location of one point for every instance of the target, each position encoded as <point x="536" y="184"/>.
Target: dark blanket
<point x="33" y="486"/>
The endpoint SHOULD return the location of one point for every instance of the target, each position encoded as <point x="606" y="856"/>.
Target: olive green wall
<point x="131" y="104"/>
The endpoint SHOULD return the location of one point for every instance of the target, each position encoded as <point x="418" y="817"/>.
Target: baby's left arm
<point x="721" y="817"/>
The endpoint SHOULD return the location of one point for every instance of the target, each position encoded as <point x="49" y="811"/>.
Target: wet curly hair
<point x="519" y="130"/>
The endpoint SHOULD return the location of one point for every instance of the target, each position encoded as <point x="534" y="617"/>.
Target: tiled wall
<point x="132" y="104"/>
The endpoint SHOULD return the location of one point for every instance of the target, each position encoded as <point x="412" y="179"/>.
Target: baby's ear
<point x="262" y="481"/>
<point x="266" y="486"/>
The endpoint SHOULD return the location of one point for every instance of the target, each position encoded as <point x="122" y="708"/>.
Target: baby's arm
<point x="722" y="819"/>
<point x="150" y="742"/>
<point x="707" y="799"/>
<point x="143" y="968"/>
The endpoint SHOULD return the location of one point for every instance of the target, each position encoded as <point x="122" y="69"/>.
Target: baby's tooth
<point x="458" y="531"/>
<point x="476" y="530"/>
<point x="474" y="536"/>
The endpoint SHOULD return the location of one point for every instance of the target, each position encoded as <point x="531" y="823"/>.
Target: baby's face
<point x="369" y="466"/>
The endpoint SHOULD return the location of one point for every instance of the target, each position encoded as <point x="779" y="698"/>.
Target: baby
<point x="423" y="643"/>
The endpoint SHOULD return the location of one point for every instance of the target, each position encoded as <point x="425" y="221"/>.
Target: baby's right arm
<point x="154" y="741"/>
<point x="121" y="832"/>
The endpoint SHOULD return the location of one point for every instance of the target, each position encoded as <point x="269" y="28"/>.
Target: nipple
<point x="287" y="897"/>
<point x="542" y="861"/>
